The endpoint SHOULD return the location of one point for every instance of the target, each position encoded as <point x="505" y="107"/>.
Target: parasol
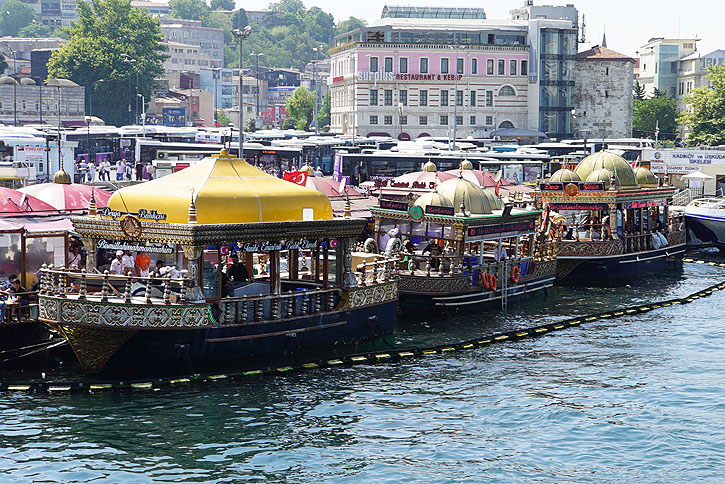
<point x="73" y="196"/>
<point x="15" y="201"/>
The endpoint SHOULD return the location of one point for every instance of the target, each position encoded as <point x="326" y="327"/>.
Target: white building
<point x="209" y="40"/>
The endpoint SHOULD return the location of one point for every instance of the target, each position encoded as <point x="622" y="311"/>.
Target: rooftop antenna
<point x="583" y="30"/>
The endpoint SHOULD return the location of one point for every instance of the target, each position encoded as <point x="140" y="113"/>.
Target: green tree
<point x="250" y="125"/>
<point x="227" y="5"/>
<point x="289" y="123"/>
<point x="34" y="30"/>
<point x="301" y="105"/>
<point x="15" y="16"/>
<point x="323" y="115"/>
<point x="189" y="9"/>
<point x="288" y="6"/>
<point x="638" y="91"/>
<point x="106" y="36"/>
<point x="219" y="20"/>
<point x="239" y="19"/>
<point x="657" y="93"/>
<point x="348" y="25"/>
<point x="3" y="64"/>
<point x="220" y="116"/>
<point x="650" y="113"/>
<point x="706" y="114"/>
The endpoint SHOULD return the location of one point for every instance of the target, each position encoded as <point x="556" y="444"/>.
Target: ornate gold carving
<point x="589" y="249"/>
<point x="131" y="226"/>
<point x="422" y="284"/>
<point x="93" y="347"/>
<point x="366" y="296"/>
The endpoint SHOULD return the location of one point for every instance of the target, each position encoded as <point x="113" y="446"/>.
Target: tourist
<point x="120" y="170"/>
<point x="117" y="264"/>
<point x="104" y="169"/>
<point x="129" y="171"/>
<point x="142" y="264"/>
<point x="318" y="172"/>
<point x="82" y="170"/>
<point x="128" y="262"/>
<point x="19" y="298"/>
<point x="75" y="258"/>
<point x="500" y="253"/>
<point x="384" y="238"/>
<point x="237" y="272"/>
<point x="91" y="172"/>
<point x="139" y="171"/>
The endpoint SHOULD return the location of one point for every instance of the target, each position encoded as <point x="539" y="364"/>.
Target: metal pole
<point x="241" y="35"/>
<point x="455" y="103"/>
<point x="314" y="83"/>
<point x="15" y="85"/>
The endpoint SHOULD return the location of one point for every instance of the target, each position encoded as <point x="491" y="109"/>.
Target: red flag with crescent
<point x="296" y="177"/>
<point x="498" y="183"/>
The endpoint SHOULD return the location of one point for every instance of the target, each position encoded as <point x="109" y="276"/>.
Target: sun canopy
<point x="74" y="196"/>
<point x="14" y="201"/>
<point x="698" y="175"/>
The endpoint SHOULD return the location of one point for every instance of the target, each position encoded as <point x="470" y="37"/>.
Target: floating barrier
<point x="61" y="387"/>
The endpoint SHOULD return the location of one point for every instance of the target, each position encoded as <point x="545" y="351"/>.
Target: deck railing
<point x="271" y="307"/>
<point x="375" y="272"/>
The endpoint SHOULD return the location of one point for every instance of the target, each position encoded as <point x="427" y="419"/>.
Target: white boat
<point x="705" y="220"/>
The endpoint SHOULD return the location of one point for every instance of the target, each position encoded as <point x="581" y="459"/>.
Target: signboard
<point x="142" y="214"/>
<point x="393" y="205"/>
<point x="436" y="210"/>
<point x="583" y="186"/>
<point x="551" y="186"/>
<point x="270" y="246"/>
<point x="591" y="186"/>
<point x="174" y="116"/>
<point x="681" y="161"/>
<point x="484" y="230"/>
<point x="643" y="204"/>
<point x="104" y="244"/>
<point x="578" y="206"/>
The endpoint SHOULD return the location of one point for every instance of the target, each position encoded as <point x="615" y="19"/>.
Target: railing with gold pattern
<point x="381" y="270"/>
<point x="272" y="307"/>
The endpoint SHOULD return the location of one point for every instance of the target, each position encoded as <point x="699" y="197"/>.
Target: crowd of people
<point x="91" y="171"/>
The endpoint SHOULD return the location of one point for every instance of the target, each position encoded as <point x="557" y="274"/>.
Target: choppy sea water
<point x="629" y="400"/>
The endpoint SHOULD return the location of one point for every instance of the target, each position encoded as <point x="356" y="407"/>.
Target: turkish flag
<point x="296" y="177"/>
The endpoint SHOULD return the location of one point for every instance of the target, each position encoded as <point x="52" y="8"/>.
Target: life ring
<point x="515" y="274"/>
<point x="492" y="282"/>
<point x="485" y="281"/>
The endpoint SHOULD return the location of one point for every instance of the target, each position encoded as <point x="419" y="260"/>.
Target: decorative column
<point x="612" y="219"/>
<point x="91" y="247"/>
<point x="348" y="278"/>
<point x="193" y="254"/>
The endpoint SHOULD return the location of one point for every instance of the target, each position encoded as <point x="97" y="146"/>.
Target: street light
<point x="314" y="78"/>
<point x="143" y="114"/>
<point x="241" y="35"/>
<point x="90" y="116"/>
<point x="15" y="85"/>
<point x="130" y="60"/>
<point x="257" y="76"/>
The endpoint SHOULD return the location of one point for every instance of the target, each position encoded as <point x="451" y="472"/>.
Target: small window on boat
<point x="418" y="229"/>
<point x="210" y="270"/>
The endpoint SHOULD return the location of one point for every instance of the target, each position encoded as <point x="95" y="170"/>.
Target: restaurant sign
<point x="643" y="204"/>
<point x="437" y="210"/>
<point x="578" y="206"/>
<point x="527" y="226"/>
<point x="142" y="214"/>
<point x="583" y="186"/>
<point x="393" y="205"/>
<point x="271" y="246"/>
<point x="124" y="245"/>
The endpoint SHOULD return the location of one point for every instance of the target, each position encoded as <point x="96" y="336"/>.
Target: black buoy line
<point x="64" y="387"/>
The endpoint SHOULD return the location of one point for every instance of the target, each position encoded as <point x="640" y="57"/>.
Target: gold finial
<point x="92" y="205"/>
<point x="348" y="209"/>
<point x="192" y="210"/>
<point x="224" y="152"/>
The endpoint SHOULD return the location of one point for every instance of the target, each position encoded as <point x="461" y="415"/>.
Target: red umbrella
<point x="14" y="201"/>
<point x="330" y="187"/>
<point x="481" y="178"/>
<point x="73" y="196"/>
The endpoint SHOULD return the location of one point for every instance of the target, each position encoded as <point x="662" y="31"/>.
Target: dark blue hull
<point x="252" y="345"/>
<point x="619" y="268"/>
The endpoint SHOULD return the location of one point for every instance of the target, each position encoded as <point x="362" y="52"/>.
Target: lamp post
<point x="15" y="85"/>
<point x="455" y="101"/>
<point x="241" y="35"/>
<point x="314" y="79"/>
<point x="90" y="116"/>
<point x="256" y="75"/>
<point x="130" y="60"/>
<point x="215" y="74"/>
<point x="143" y="114"/>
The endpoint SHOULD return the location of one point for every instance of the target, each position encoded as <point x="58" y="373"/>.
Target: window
<point x="424" y="65"/>
<point x="512" y="68"/>
<point x="373" y="97"/>
<point x="506" y="125"/>
<point x="473" y="120"/>
<point x="404" y="120"/>
<point x="459" y="98"/>
<point x="524" y="68"/>
<point x="606" y="71"/>
<point x="424" y="120"/>
<point x="489" y="120"/>
<point x="444" y="98"/>
<point x="444" y="65"/>
<point x="489" y="67"/>
<point x="459" y="66"/>
<point x="489" y="99"/>
<point x="444" y="120"/>
<point x="373" y="64"/>
<point x="373" y="120"/>
<point x="501" y="67"/>
<point x="403" y="65"/>
<point x="459" y="120"/>
<point x="388" y="97"/>
<point x="423" y="97"/>
<point x="388" y="120"/>
<point x="474" y="66"/>
<point x="388" y="64"/>
<point x="473" y="97"/>
<point x="507" y="91"/>
<point x="404" y="97"/>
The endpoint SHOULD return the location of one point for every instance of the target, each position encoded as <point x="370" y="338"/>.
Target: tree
<point x="323" y="115"/>
<point x="3" y="64"/>
<point x="220" y="116"/>
<point x="239" y="19"/>
<point x="288" y="6"/>
<point x="705" y="116"/>
<point x="189" y="9"/>
<point x="219" y="20"/>
<point x="289" y="123"/>
<point x="227" y="5"/>
<point x="34" y="30"/>
<point x="301" y="105"/>
<point x="250" y="125"/>
<point x="348" y="25"/>
<point x="657" y="93"/>
<point x="107" y="34"/>
<point x="16" y="15"/>
<point x="651" y="113"/>
<point x="638" y="91"/>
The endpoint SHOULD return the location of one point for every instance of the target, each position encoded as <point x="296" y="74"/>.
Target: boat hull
<point x="704" y="229"/>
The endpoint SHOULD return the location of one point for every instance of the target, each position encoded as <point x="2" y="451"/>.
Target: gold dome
<point x="434" y="199"/>
<point x="226" y="190"/>
<point x="602" y="175"/>
<point x="616" y="165"/>
<point x="430" y="166"/>
<point x="495" y="202"/>
<point x="459" y="190"/>
<point x="310" y="170"/>
<point x="565" y="175"/>
<point x="466" y="165"/>
<point x="61" y="176"/>
<point x="646" y="178"/>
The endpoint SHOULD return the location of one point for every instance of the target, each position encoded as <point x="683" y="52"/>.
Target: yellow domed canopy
<point x="565" y="175"/>
<point x="434" y="199"/>
<point x="461" y="191"/>
<point x="616" y="165"/>
<point x="430" y="166"/>
<point x="602" y="175"/>
<point x="646" y="178"/>
<point x="466" y="165"/>
<point x="226" y="190"/>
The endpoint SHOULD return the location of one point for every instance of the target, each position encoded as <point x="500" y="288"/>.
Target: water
<point x="629" y="400"/>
